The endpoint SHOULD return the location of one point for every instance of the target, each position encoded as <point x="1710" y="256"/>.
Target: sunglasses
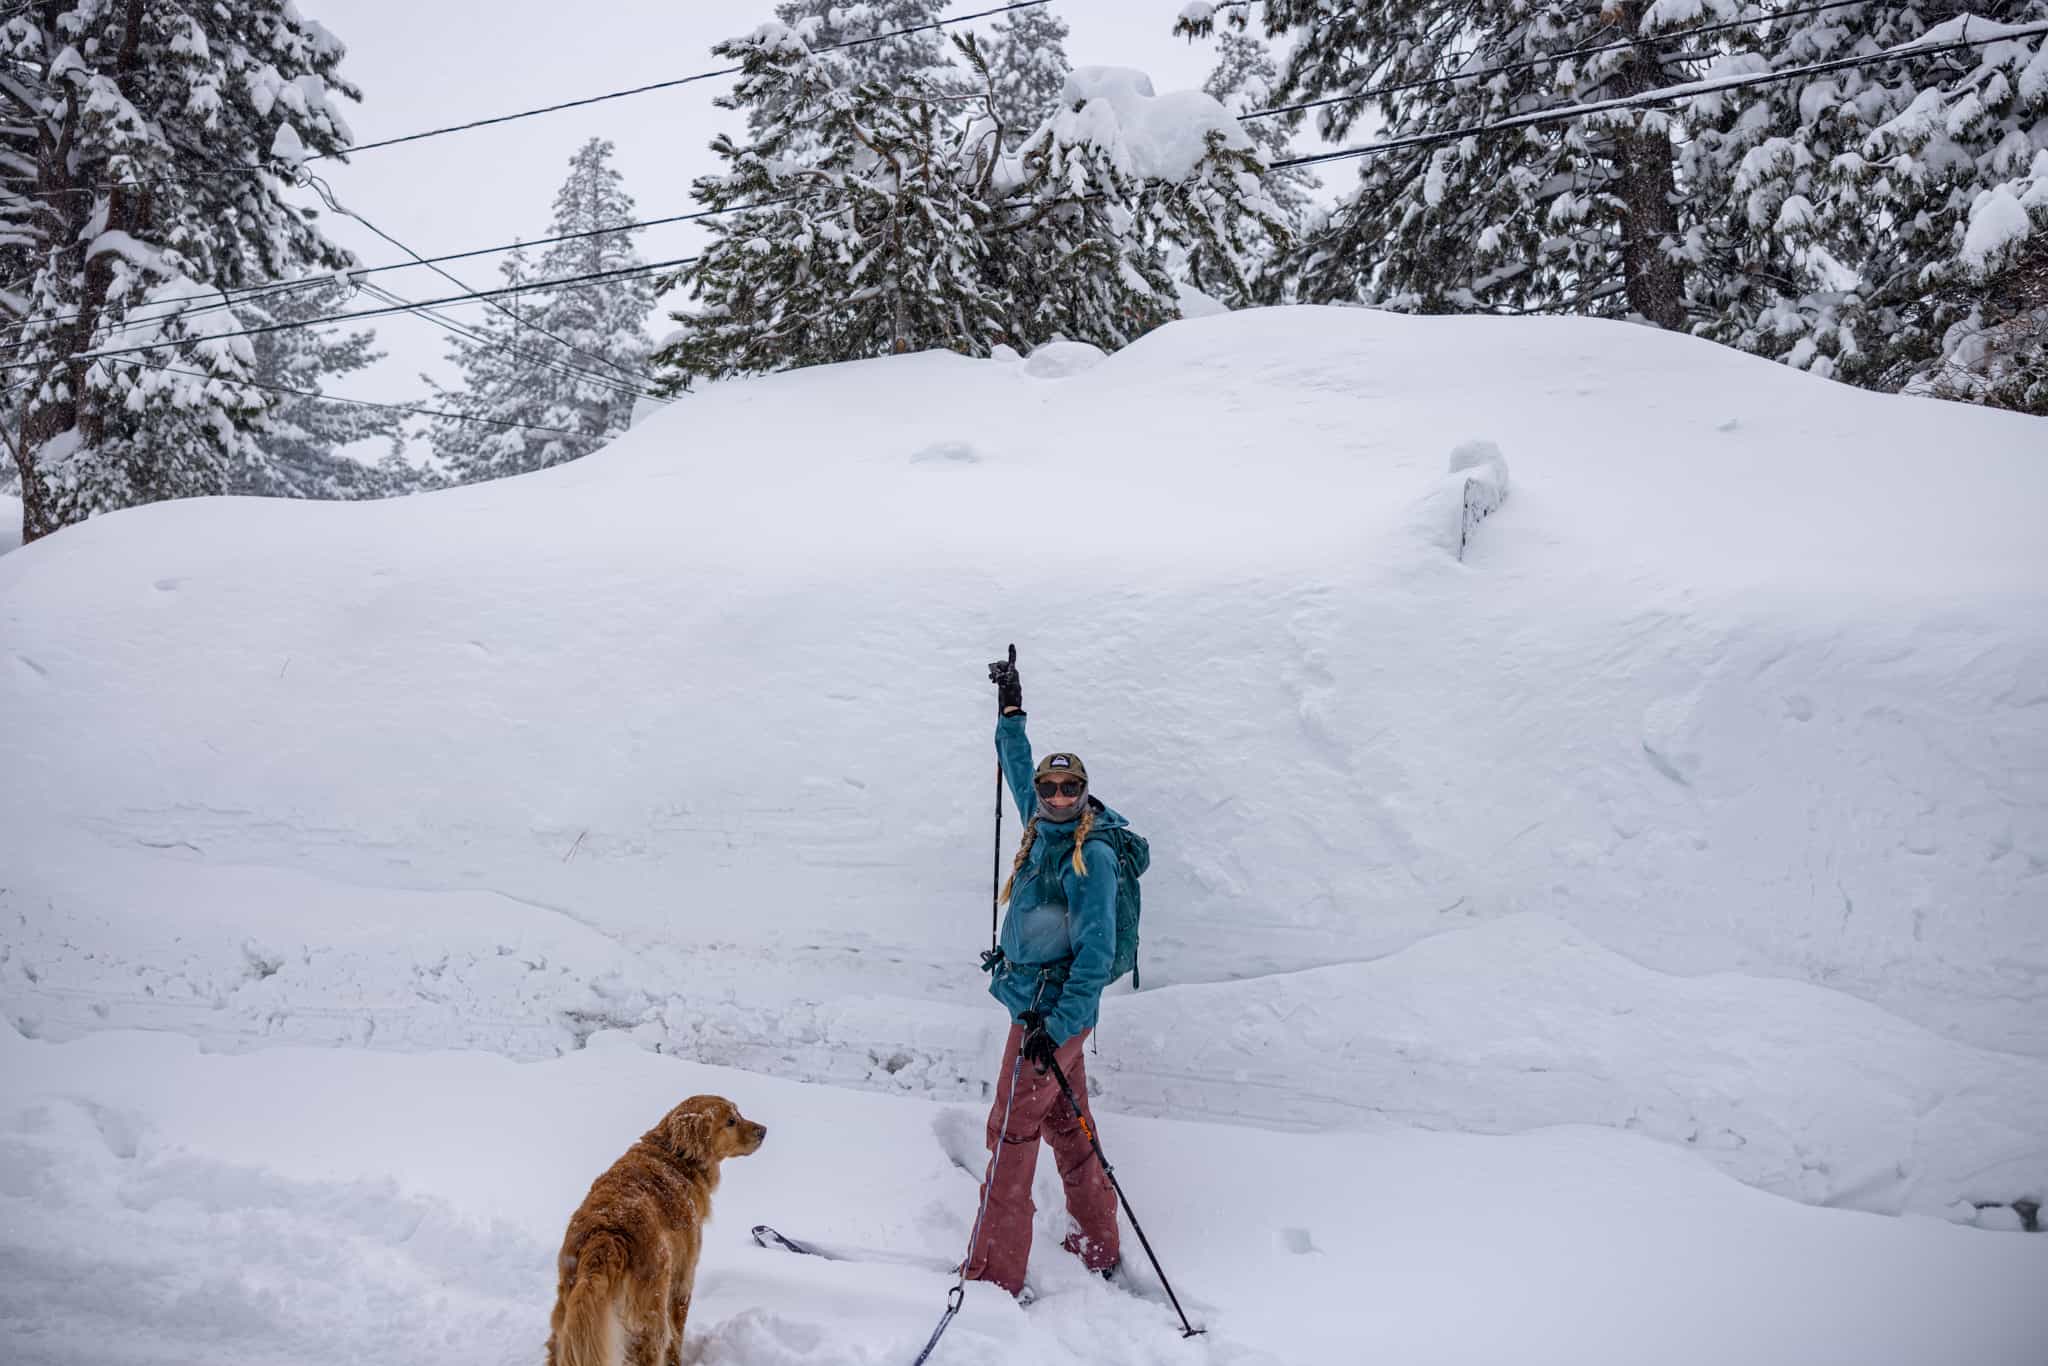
<point x="1061" y="787"/>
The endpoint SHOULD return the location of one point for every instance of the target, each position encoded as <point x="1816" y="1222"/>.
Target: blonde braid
<point x="1081" y="837"/>
<point x="1023" y="852"/>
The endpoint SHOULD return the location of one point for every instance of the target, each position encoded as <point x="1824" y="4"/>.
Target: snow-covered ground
<point x="303" y="1207"/>
<point x="1699" y="792"/>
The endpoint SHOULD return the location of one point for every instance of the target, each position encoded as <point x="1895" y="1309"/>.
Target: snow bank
<point x="10" y="522"/>
<point x="161" y="1203"/>
<point x="691" y="737"/>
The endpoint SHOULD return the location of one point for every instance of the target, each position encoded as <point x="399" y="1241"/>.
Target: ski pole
<point x="1188" y="1330"/>
<point x="995" y="876"/>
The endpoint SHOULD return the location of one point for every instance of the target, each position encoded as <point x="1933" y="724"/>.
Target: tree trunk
<point x="1649" y="194"/>
<point x="65" y="204"/>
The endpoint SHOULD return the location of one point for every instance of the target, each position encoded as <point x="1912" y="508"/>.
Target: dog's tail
<point x="589" y="1331"/>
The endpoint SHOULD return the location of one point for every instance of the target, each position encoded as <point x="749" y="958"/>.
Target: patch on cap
<point x="1063" y="762"/>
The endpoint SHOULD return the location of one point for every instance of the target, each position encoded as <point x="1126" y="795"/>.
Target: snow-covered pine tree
<point x="1026" y="52"/>
<point x="1578" y="219"/>
<point x="915" y="55"/>
<point x="569" y="367"/>
<point x="499" y="415"/>
<point x="1879" y="224"/>
<point x="1243" y="80"/>
<point x="296" y="450"/>
<point x="127" y="128"/>
<point x="605" y="322"/>
<point x="868" y="234"/>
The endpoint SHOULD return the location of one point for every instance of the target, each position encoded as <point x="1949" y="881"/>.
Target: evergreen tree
<point x="566" y="363"/>
<point x="1081" y="253"/>
<point x="914" y="62"/>
<point x="1855" y="193"/>
<point x="296" y="449"/>
<point x="869" y="231"/>
<point x="883" y="222"/>
<point x="117" y="119"/>
<point x="1581" y="219"/>
<point x="1026" y="52"/>
<point x="1243" y="80"/>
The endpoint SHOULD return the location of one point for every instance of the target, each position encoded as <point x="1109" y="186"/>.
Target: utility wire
<point x="337" y="398"/>
<point x="286" y="286"/>
<point x="215" y="299"/>
<point x="1667" y="95"/>
<point x="326" y="193"/>
<point x="548" y="363"/>
<point x="1534" y="118"/>
<point x="1425" y="82"/>
<point x="408" y="307"/>
<point x="669" y="85"/>
<point x="243" y="168"/>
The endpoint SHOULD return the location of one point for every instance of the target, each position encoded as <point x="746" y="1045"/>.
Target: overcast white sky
<point x="435" y="62"/>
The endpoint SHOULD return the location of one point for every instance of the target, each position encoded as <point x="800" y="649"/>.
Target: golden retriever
<point x="629" y="1258"/>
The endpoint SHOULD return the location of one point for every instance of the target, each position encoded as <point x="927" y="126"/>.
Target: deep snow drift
<point x="1682" y="773"/>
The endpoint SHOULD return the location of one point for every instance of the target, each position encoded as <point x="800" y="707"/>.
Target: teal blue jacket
<point x="1059" y="931"/>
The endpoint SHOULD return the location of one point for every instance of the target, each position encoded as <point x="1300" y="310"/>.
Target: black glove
<point x="1038" y="1046"/>
<point x="1009" y="687"/>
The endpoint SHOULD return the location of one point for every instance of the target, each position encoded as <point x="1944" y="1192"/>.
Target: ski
<point x="768" y="1237"/>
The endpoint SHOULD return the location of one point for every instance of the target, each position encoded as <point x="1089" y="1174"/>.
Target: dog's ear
<point x="687" y="1132"/>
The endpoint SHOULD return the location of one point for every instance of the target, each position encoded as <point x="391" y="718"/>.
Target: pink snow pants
<point x="1003" y="1247"/>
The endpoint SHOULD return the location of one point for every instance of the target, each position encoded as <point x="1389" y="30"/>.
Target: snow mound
<point x="1741" y="689"/>
<point x="10" y="523"/>
<point x="1059" y="359"/>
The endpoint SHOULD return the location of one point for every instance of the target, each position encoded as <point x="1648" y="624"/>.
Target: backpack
<point x="1133" y="857"/>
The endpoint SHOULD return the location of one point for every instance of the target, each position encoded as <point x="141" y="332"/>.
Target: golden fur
<point x="629" y="1258"/>
<point x="1081" y="833"/>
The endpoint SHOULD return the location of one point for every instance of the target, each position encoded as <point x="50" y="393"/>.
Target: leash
<point x="958" y="1294"/>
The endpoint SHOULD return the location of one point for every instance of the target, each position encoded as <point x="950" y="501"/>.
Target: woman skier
<point x="1053" y="960"/>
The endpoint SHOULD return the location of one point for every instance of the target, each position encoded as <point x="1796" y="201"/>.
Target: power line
<point x="544" y="362"/>
<point x="265" y="290"/>
<point x="669" y="85"/>
<point x="216" y="300"/>
<point x="1534" y="118"/>
<point x="209" y="172"/>
<point x="1666" y="95"/>
<point x="337" y="398"/>
<point x="408" y="307"/>
<point x="1425" y="82"/>
<point x="327" y="194"/>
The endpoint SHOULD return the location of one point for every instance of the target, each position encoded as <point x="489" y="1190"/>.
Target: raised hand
<point x="1009" y="687"/>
